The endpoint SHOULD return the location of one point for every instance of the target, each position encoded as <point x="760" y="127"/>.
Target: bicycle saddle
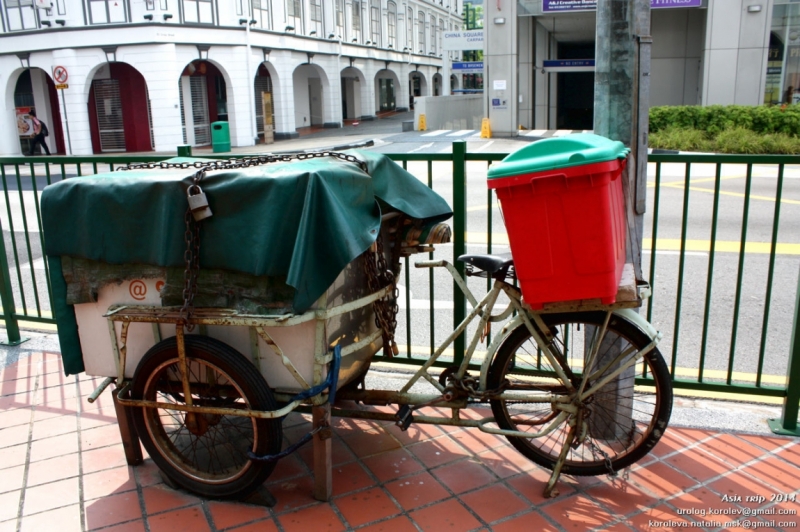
<point x="491" y="264"/>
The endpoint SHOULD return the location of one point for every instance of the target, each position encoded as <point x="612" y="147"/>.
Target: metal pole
<point x="459" y="243"/>
<point x="787" y="424"/>
<point x="7" y="298"/>
<point x="66" y="122"/>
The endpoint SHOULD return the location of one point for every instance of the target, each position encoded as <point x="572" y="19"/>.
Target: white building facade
<point x="139" y="75"/>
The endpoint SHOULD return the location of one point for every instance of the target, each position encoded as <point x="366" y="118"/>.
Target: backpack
<point x="44" y="129"/>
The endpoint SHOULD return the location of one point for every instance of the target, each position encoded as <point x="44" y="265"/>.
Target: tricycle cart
<point x="578" y="386"/>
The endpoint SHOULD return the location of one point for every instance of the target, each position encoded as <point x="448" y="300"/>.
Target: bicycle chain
<point x="191" y="236"/>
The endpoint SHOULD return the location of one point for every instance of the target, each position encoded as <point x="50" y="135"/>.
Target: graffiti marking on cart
<point x="138" y="290"/>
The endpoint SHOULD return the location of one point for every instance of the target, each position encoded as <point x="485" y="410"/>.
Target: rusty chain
<point x="379" y="276"/>
<point x="191" y="236"/>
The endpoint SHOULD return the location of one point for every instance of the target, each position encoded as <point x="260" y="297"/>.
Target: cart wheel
<point x="624" y="420"/>
<point x="206" y="453"/>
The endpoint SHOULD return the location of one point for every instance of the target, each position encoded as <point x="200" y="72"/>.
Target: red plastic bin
<point x="566" y="227"/>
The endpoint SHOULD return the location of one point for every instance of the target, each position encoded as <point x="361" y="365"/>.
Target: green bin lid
<point x="559" y="152"/>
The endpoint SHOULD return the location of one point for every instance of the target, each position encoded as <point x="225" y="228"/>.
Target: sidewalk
<point x="62" y="468"/>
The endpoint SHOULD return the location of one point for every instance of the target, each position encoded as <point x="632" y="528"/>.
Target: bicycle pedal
<point x="404" y="417"/>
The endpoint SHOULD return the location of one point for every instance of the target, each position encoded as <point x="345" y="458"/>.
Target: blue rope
<point x="331" y="382"/>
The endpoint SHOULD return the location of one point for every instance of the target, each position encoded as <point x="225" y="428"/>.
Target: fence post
<point x="7" y="297"/>
<point x="459" y="243"/>
<point x="787" y="424"/>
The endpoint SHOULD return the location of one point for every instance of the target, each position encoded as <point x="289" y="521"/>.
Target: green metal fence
<point x="725" y="285"/>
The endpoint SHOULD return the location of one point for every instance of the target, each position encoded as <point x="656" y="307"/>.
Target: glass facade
<point x="783" y="66"/>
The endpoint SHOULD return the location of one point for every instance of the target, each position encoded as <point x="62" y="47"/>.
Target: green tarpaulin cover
<point x="303" y="220"/>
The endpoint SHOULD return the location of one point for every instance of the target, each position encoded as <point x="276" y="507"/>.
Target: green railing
<point x="725" y="287"/>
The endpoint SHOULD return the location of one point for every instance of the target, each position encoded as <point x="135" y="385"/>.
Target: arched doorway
<point x="417" y="84"/>
<point x="386" y="84"/>
<point x="310" y="84"/>
<point x="437" y="84"/>
<point x="264" y="104"/>
<point x="35" y="90"/>
<point x="352" y="81"/>
<point x="454" y="85"/>
<point x="203" y="100"/>
<point x="119" y="110"/>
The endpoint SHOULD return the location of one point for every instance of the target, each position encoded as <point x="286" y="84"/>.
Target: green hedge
<point x="715" y="119"/>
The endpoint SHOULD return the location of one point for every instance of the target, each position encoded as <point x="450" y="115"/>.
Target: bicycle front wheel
<point x="624" y="418"/>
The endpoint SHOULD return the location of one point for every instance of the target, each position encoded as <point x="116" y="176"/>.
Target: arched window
<point x="391" y="25"/>
<point x="433" y="34"/>
<point x="410" y="29"/>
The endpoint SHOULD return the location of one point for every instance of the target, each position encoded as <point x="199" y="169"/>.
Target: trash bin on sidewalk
<point x="564" y="211"/>
<point x="220" y="137"/>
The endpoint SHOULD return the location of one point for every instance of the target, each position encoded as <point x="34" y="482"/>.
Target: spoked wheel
<point x="206" y="453"/>
<point x="624" y="418"/>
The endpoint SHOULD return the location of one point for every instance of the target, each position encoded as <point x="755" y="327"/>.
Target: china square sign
<point x="462" y="40"/>
<point x="550" y="6"/>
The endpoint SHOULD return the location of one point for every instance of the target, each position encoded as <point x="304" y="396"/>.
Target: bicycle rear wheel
<point x="625" y="417"/>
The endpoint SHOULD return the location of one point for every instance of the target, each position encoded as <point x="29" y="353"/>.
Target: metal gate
<point x="108" y="104"/>
<point x="202" y="124"/>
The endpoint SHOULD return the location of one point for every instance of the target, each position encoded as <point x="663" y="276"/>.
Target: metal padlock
<point x="198" y="203"/>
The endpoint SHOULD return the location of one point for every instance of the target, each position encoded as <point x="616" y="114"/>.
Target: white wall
<point x="677" y="49"/>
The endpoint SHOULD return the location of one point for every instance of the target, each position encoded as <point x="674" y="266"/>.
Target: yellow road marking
<point x="680" y="186"/>
<point x="672" y="244"/>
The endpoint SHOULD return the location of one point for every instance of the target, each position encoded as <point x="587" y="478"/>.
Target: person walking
<point x="39" y="133"/>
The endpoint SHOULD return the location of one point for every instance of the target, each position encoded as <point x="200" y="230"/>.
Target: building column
<point x="500" y="85"/>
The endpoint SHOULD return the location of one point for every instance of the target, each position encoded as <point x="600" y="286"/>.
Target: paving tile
<point x="90" y="420"/>
<point x="693" y="503"/>
<point x="494" y="502"/>
<point x="9" y="505"/>
<point x="292" y="494"/>
<point x="190" y="519"/>
<point x="100" y="437"/>
<point x="658" y="519"/>
<point x="477" y="441"/>
<point x="147" y="473"/>
<point x="698" y="464"/>
<point x="103" y="458"/>
<point x="267" y="525"/>
<point x="577" y="512"/>
<point x="130" y="526"/>
<point x="340" y="453"/>
<point x="11" y="526"/>
<point x="55" y="426"/>
<point x="773" y="471"/>
<point x="366" y="506"/>
<point x="661" y="480"/>
<point x="108" y="482"/>
<point x="159" y="499"/>
<point x="525" y="523"/>
<point x="55" y="446"/>
<point x="14" y="435"/>
<point x="392" y="464"/>
<point x="692" y="435"/>
<point x="416" y="433"/>
<point x="732" y="449"/>
<point x="50" y="496"/>
<point x="232" y="514"/>
<point x="464" y="475"/>
<point x="621" y="497"/>
<point x="112" y="510"/>
<point x="436" y="452"/>
<point x="669" y="443"/>
<point x="740" y="485"/>
<point x="447" y="515"/>
<point x="370" y="442"/>
<point x="17" y="416"/>
<point x="396" y="524"/>
<point x="769" y="443"/>
<point x="11" y="478"/>
<point x="417" y="490"/>
<point x="13" y="456"/>
<point x="67" y="519"/>
<point x="53" y="469"/>
<point x="531" y="485"/>
<point x="318" y="517"/>
<point x="350" y="477"/>
<point x="288" y="467"/>
<point x="505" y="461"/>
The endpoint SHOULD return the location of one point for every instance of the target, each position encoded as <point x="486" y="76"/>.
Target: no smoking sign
<point x="60" y="74"/>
